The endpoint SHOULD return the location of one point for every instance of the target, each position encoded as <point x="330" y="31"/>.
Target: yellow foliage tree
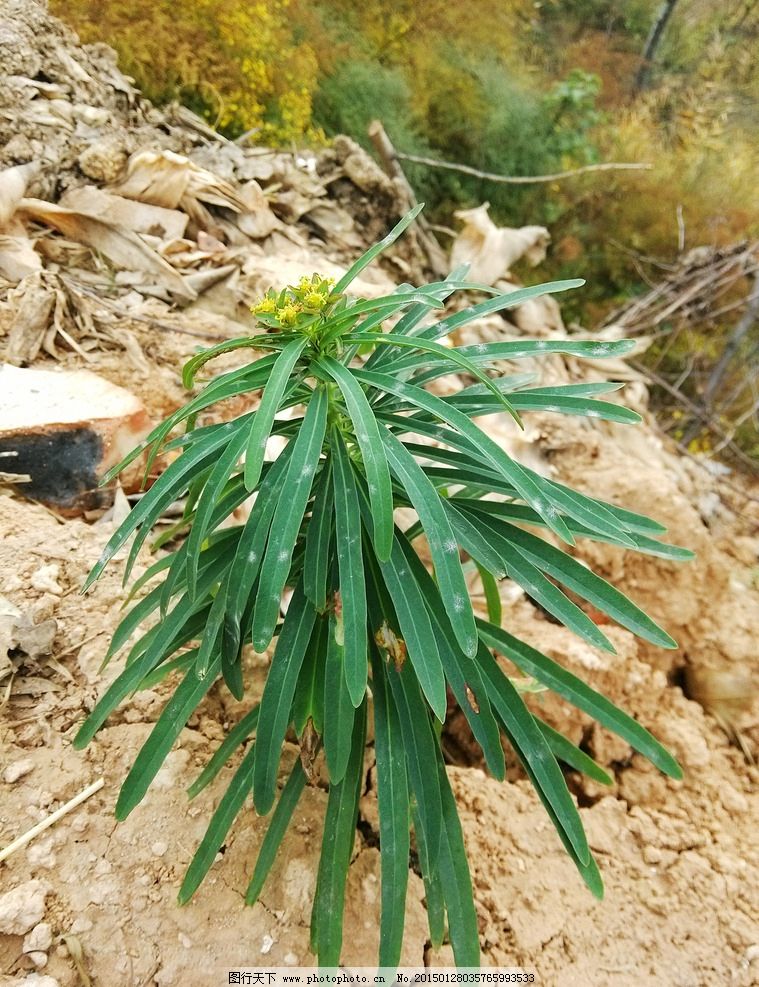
<point x="237" y="62"/>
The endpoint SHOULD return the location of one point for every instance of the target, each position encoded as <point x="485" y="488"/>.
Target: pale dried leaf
<point x="140" y="217"/>
<point x="34" y="299"/>
<point x="13" y="183"/>
<point x="491" y="250"/>
<point x="121" y="246"/>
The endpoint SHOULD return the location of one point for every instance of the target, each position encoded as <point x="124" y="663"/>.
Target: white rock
<point x="40" y="938"/>
<point x="40" y="980"/>
<point x="22" y="908"/>
<point x="45" y="579"/>
<point x="17" y="770"/>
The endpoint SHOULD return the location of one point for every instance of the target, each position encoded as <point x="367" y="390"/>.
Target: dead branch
<point x="389" y="158"/>
<point x="522" y="179"/>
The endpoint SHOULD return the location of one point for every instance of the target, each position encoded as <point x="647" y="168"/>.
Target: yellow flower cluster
<point x="296" y="303"/>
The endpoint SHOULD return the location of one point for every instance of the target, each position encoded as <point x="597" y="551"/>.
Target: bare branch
<point x="522" y="179"/>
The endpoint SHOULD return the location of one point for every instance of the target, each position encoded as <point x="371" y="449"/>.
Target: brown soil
<point x="679" y="858"/>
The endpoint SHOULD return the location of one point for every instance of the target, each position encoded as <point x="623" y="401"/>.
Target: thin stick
<point x="522" y="179"/>
<point x="30" y="834"/>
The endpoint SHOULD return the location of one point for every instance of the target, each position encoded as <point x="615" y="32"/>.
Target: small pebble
<point x="22" y="908"/>
<point x="266" y="944"/>
<point x="17" y="770"/>
<point x="40" y="939"/>
<point x="159" y="849"/>
<point x="45" y="579"/>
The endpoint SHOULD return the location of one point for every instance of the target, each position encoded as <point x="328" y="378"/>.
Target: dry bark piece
<point x="124" y="248"/>
<point x="66" y="430"/>
<point x="491" y="250"/>
<point x="31" y="319"/>
<point x="139" y="217"/>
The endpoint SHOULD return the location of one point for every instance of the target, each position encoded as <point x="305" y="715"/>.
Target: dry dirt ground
<point x="679" y="858"/>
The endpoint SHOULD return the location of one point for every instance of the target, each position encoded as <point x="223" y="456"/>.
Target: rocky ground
<point x="91" y="901"/>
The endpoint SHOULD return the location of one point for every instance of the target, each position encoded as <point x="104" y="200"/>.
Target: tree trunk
<point x="651" y="46"/>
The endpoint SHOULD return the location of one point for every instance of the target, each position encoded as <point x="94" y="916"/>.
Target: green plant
<point x="367" y="623"/>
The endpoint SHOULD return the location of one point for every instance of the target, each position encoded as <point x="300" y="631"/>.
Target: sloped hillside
<point x="130" y="236"/>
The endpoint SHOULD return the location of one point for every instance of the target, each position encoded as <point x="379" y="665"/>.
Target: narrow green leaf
<point x="444" y="353"/>
<point x="180" y="664"/>
<point x="318" y="539"/>
<point x="227" y="385"/>
<point x="583" y="390"/>
<point x="532" y="748"/>
<point x="337" y="848"/>
<point x="394" y="820"/>
<point x="532" y="490"/>
<point x="442" y="542"/>
<point x="492" y="595"/>
<point x="498" y="304"/>
<point x="208" y="500"/>
<point x="280" y="820"/>
<point x="169" y="725"/>
<point x="210" y="645"/>
<point x="277" y="698"/>
<point x="518" y="349"/>
<point x="232" y="673"/>
<point x="194" y="364"/>
<point x="365" y="259"/>
<point x="581" y="580"/>
<point x="564" y="750"/>
<point x="132" y="620"/>
<point x="176" y="577"/>
<point x="309" y="694"/>
<point x="421" y="745"/>
<point x="588" y="512"/>
<point x="152" y="570"/>
<point x="461" y="672"/>
<point x="433" y="890"/>
<point x="456" y="881"/>
<point x="469" y="533"/>
<point x="563" y="683"/>
<point x="372" y="452"/>
<point x="221" y="821"/>
<point x="246" y="563"/>
<point x="587" y="869"/>
<point x="525" y="515"/>
<point x="270" y="402"/>
<point x="352" y="599"/>
<point x="167" y="488"/>
<point x="236" y="736"/>
<point x="344" y="322"/>
<point x="526" y="570"/>
<point x="416" y="629"/>
<point x="338" y="725"/>
<point x="288" y="516"/>
<point x="154" y="648"/>
<point x="409" y="321"/>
